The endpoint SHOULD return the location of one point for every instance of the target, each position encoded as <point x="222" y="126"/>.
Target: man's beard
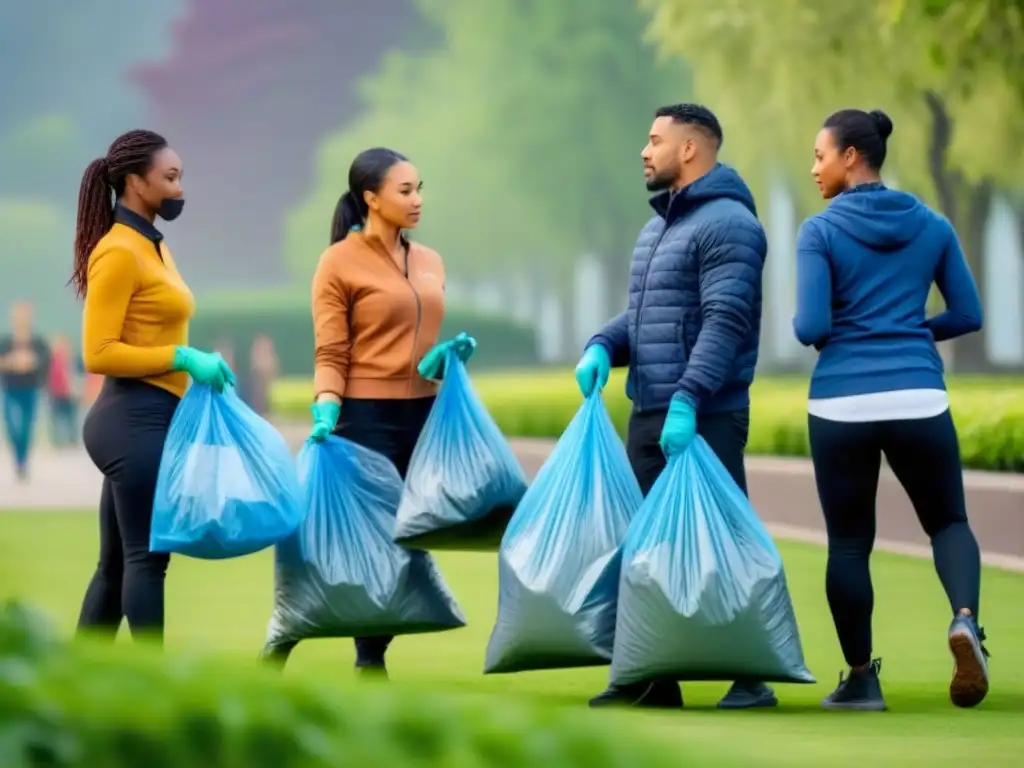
<point x="659" y="182"/>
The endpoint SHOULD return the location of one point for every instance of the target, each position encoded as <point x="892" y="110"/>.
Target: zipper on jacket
<point x="640" y="315"/>
<point x="419" y="319"/>
<point x="419" y="305"/>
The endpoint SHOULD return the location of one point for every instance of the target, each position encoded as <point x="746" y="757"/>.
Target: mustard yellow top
<point x="137" y="309"/>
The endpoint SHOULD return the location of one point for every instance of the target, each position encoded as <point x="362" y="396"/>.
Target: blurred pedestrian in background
<point x="63" y="393"/>
<point x="263" y="370"/>
<point x="226" y="349"/>
<point x="92" y="385"/>
<point x="24" y="364"/>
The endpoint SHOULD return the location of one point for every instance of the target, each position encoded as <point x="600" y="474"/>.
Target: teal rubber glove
<point x="204" y="367"/>
<point x="432" y="364"/>
<point x="593" y="370"/>
<point x="325" y="417"/>
<point x="680" y="427"/>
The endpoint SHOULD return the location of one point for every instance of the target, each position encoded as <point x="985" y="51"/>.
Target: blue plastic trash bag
<point x="227" y="485"/>
<point x="341" y="574"/>
<point x="703" y="593"/>
<point x="558" y="566"/>
<point x="463" y="482"/>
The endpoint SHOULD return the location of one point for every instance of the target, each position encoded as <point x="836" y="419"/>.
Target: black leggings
<point x="391" y="428"/>
<point x="924" y="454"/>
<point x="124" y="434"/>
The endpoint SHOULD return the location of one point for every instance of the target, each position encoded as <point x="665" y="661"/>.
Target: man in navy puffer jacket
<point x="691" y="333"/>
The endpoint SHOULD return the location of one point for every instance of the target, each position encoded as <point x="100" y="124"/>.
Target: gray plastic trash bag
<point x="464" y="481"/>
<point x="341" y="574"/>
<point x="558" y="566"/>
<point x="703" y="592"/>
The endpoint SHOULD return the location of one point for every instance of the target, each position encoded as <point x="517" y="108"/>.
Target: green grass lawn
<point x="223" y="607"/>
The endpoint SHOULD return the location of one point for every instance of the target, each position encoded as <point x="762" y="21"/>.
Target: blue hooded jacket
<point x="865" y="267"/>
<point x="693" y="324"/>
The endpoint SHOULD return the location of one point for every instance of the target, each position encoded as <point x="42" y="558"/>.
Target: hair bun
<point x="882" y="122"/>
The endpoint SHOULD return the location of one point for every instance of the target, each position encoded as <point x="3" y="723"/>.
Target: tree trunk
<point x="970" y="353"/>
<point x="967" y="205"/>
<point x="1018" y="217"/>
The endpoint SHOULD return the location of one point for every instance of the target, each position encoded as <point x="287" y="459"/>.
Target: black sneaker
<point x="658" y="694"/>
<point x="969" y="685"/>
<point x="747" y="695"/>
<point x="860" y="691"/>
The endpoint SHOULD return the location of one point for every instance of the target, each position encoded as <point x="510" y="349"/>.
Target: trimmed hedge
<point x="286" y="318"/>
<point x="64" y="706"/>
<point x="989" y="412"/>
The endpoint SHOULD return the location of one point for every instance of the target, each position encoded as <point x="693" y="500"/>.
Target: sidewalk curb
<point x="973" y="479"/>
<point x="810" y="536"/>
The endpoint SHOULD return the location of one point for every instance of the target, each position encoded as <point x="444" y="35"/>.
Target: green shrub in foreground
<point x="989" y="413"/>
<point x="67" y="706"/>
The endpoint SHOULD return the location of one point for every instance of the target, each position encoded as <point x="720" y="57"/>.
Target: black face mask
<point x="170" y="208"/>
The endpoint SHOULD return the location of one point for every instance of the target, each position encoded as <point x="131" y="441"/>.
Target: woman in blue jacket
<point x="865" y="267"/>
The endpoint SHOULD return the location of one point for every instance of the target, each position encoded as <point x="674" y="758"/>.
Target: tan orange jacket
<point x="373" y="321"/>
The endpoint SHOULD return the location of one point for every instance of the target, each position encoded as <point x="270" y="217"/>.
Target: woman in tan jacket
<point x="378" y="305"/>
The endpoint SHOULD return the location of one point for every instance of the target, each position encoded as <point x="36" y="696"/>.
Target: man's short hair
<point x="700" y="117"/>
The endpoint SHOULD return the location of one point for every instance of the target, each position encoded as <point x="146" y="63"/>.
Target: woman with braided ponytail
<point x="134" y="333"/>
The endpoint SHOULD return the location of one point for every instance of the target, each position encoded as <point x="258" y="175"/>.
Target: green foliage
<point x="82" y="707"/>
<point x="989" y="412"/>
<point x="526" y="125"/>
<point x="285" y="317"/>
<point x="774" y="71"/>
<point x="35" y="259"/>
<point x="475" y="226"/>
<point x="66" y="101"/>
<point x="972" y="53"/>
<point x="39" y="152"/>
<point x="63" y="103"/>
<point x="969" y="39"/>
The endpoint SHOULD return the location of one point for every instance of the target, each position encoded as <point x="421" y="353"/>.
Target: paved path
<point x="782" y="490"/>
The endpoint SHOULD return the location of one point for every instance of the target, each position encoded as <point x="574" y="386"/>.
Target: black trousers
<point x="924" y="454"/>
<point x="124" y="435"/>
<point x="725" y="433"/>
<point x="391" y="428"/>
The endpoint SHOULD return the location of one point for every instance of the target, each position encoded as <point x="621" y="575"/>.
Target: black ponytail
<point x="347" y="216"/>
<point x="867" y="132"/>
<point x="366" y="174"/>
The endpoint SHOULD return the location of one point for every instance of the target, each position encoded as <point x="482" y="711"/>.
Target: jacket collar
<point x="145" y="228"/>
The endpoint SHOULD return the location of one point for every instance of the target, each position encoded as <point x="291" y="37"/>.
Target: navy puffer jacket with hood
<point x="693" y="325"/>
